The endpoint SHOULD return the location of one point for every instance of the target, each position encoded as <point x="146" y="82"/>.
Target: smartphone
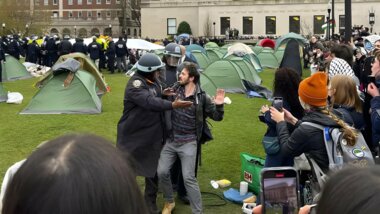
<point x="280" y="190"/>
<point x="371" y="79"/>
<point x="278" y="103"/>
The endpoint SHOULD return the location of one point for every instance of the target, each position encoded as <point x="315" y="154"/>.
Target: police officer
<point x="111" y="54"/>
<point x="140" y="131"/>
<point x="94" y="50"/>
<point x="65" y="46"/>
<point x="121" y="54"/>
<point x="172" y="55"/>
<point x="79" y="46"/>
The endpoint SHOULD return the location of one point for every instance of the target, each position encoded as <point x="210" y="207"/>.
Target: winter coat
<point x="306" y="139"/>
<point x="140" y="131"/>
<point x="121" y="48"/>
<point x="94" y="50"/>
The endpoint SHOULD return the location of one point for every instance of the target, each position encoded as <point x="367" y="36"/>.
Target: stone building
<point x="88" y="17"/>
<point x="160" y="18"/>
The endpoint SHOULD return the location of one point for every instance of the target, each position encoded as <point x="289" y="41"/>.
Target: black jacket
<point x="205" y="108"/>
<point x="306" y="139"/>
<point x="121" y="48"/>
<point x="140" y="131"/>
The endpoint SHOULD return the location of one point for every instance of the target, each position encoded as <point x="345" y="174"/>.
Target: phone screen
<point x="278" y="103"/>
<point x="280" y="191"/>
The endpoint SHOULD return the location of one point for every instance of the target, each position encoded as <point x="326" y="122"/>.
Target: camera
<point x="278" y="103"/>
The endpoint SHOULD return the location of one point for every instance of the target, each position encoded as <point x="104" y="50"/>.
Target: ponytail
<point x="349" y="133"/>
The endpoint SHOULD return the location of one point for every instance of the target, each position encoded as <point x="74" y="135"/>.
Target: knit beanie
<point x="313" y="90"/>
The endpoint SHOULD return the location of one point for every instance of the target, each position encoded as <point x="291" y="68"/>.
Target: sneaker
<point x="168" y="208"/>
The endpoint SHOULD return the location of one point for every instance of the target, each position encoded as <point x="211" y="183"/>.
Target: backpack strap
<point x="329" y="144"/>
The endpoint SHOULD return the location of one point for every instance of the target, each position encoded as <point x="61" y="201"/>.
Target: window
<point x="98" y="1"/>
<point x="294" y="24"/>
<point x="108" y="14"/>
<point x="117" y="1"/>
<point x="89" y="1"/>
<point x="270" y="25"/>
<point x="46" y="2"/>
<point x="99" y="14"/>
<point x="319" y="20"/>
<point x="89" y="14"/>
<point x="79" y="2"/>
<point x="37" y="2"/>
<point x="247" y="25"/>
<point x="108" y="1"/>
<point x="80" y="14"/>
<point x="70" y="14"/>
<point x="172" y="26"/>
<point x="70" y="2"/>
<point x="224" y="25"/>
<point x="55" y="2"/>
<point x="55" y="14"/>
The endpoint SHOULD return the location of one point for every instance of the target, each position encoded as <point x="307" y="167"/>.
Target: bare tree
<point x="207" y="27"/>
<point x="18" y="17"/>
<point x="306" y="29"/>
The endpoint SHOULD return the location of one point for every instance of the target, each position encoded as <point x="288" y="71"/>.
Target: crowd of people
<point x="46" y="50"/>
<point x="160" y="130"/>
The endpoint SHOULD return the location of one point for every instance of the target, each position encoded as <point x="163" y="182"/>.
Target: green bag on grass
<point x="251" y="171"/>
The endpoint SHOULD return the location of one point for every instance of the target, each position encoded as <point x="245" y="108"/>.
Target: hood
<point x="319" y="118"/>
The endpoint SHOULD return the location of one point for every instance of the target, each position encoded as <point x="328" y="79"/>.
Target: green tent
<point x="214" y="55"/>
<point x="202" y="59"/>
<point x="207" y="84"/>
<point x="257" y="49"/>
<point x="279" y="54"/>
<point x="68" y="92"/>
<point x="88" y="65"/>
<point x="227" y="75"/>
<point x="267" y="58"/>
<point x="211" y="45"/>
<point x="78" y="98"/>
<point x="193" y="47"/>
<point x="250" y="73"/>
<point x="14" y="70"/>
<point x="283" y="40"/>
<point x="3" y="93"/>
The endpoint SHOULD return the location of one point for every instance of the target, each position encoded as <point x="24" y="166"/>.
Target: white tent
<point x="131" y="44"/>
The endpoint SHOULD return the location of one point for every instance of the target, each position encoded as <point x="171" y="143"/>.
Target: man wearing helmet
<point x="140" y="131"/>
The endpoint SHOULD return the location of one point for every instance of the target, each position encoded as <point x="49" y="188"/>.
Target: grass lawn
<point x="240" y="131"/>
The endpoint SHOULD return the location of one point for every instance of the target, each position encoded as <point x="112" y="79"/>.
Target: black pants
<point x="150" y="194"/>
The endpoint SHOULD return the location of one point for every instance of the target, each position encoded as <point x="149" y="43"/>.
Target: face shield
<point x="172" y="60"/>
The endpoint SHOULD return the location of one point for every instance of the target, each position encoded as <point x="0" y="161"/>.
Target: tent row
<point x="73" y="86"/>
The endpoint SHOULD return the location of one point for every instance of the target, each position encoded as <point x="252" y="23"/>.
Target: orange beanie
<point x="313" y="90"/>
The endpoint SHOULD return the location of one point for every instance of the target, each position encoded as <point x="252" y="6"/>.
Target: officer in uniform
<point x="140" y="131"/>
<point x="172" y="55"/>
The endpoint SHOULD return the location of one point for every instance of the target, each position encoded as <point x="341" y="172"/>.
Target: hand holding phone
<point x="279" y="190"/>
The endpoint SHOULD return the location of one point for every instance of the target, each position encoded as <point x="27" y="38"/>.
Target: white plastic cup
<point x="214" y="184"/>
<point x="243" y="188"/>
